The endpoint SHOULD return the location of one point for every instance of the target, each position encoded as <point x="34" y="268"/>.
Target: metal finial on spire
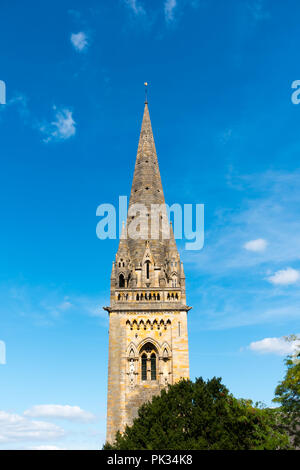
<point x="146" y="90"/>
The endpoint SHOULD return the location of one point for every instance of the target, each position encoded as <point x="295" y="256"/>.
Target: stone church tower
<point x="148" y="338"/>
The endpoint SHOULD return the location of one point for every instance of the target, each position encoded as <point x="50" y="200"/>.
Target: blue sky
<point x="227" y="136"/>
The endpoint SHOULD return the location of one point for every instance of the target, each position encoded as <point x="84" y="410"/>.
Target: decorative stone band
<point x="147" y="309"/>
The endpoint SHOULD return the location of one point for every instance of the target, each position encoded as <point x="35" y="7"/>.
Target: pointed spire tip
<point x="146" y="94"/>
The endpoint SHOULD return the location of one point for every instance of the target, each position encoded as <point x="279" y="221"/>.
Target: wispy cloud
<point x="169" y="10"/>
<point x="269" y="208"/>
<point x="258" y="10"/>
<point x="79" y="41"/>
<point x="234" y="291"/>
<point x="62" y="128"/>
<point x="256" y="245"/>
<point x="44" y="307"/>
<point x="19" y="101"/>
<point x="277" y="346"/>
<point x="240" y="304"/>
<point x="135" y="6"/>
<point x="285" y="277"/>
<point x="2" y="352"/>
<point x="14" y="427"/>
<point x="74" y="14"/>
<point x="72" y="413"/>
<point x="226" y="135"/>
<point x="46" y="447"/>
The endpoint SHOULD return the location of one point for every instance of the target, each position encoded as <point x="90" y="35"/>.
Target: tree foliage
<point x="287" y="393"/>
<point x="201" y="415"/>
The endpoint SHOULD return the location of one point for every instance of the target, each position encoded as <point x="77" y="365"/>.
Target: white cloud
<point x="256" y="245"/>
<point x="73" y="413"/>
<point x="169" y="8"/>
<point x="80" y="41"/>
<point x="62" y="128"/>
<point x="285" y="277"/>
<point x="277" y="346"/>
<point x="14" y="427"/>
<point x="135" y="7"/>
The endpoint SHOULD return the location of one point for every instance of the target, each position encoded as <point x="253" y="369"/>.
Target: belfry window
<point x="153" y="366"/>
<point x="144" y="367"/>
<point x="121" y="280"/>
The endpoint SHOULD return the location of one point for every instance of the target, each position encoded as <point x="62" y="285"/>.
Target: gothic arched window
<point x="153" y="366"/>
<point x="121" y="280"/>
<point x="144" y="367"/>
<point x="148" y="355"/>
<point x="148" y="269"/>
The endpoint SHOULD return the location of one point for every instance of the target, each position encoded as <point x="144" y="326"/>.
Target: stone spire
<point x="148" y="337"/>
<point x="146" y="185"/>
<point x="147" y="190"/>
<point x="123" y="246"/>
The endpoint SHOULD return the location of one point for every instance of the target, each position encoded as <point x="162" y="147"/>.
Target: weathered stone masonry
<point x="148" y="338"/>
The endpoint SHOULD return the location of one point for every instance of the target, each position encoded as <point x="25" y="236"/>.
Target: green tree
<point x="287" y="392"/>
<point x="201" y="415"/>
